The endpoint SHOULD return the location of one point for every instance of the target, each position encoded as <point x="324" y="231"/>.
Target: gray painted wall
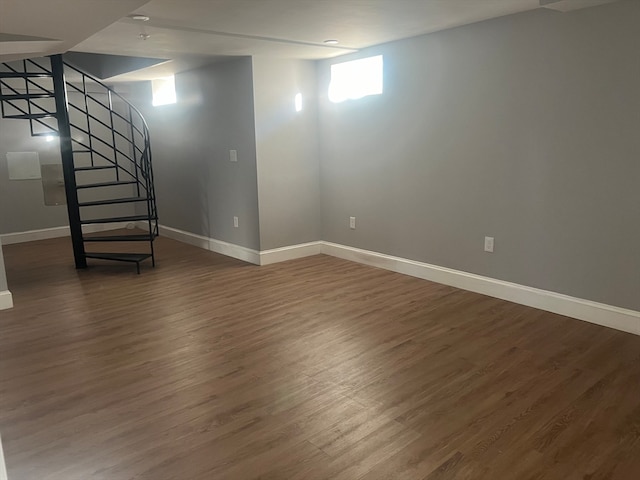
<point x="524" y="128"/>
<point x="287" y="152"/>
<point x="198" y="189"/>
<point x="22" y="201"/>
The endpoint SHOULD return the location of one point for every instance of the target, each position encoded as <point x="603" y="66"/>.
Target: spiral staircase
<point x="106" y="156"/>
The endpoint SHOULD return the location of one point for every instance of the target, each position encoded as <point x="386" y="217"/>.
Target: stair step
<point x="31" y="116"/>
<point x="52" y="133"/>
<point x="106" y="184"/>
<point x="25" y="75"/>
<point x="95" y="167"/>
<point x="26" y="96"/>
<point x="120" y="238"/>
<point x="112" y="201"/>
<point x="121" y="257"/>
<point x="132" y="218"/>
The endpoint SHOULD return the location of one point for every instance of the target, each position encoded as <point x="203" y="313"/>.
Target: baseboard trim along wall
<point x="6" y="300"/>
<point x="265" y="257"/>
<point x="593" y="312"/>
<point x="212" y="244"/>
<point x="55" y="232"/>
<point x="277" y="255"/>
<point x="586" y="310"/>
<point x="3" y="468"/>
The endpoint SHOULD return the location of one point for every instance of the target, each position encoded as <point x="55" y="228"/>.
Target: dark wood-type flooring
<point x="207" y="368"/>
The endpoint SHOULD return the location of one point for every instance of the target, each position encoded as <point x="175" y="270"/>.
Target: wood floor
<point x="207" y="368"/>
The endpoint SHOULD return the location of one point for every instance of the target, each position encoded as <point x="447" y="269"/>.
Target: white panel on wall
<point x="53" y="185"/>
<point x="23" y="165"/>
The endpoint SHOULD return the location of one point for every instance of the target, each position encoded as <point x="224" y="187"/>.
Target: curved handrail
<point x="99" y="82"/>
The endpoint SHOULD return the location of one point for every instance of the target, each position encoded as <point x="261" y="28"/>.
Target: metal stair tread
<point x="122" y="257"/>
<point x="26" y="96"/>
<point x="52" y="133"/>
<point x="112" y="201"/>
<point x="106" y="184"/>
<point x="94" y="167"/>
<point x="30" y="116"/>
<point x="120" y="238"/>
<point x="25" y="75"/>
<point x="131" y="218"/>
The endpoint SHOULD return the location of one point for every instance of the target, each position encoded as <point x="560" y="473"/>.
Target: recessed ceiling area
<point x="105" y="66"/>
<point x="196" y="32"/>
<point x="18" y="46"/>
<point x="63" y="23"/>
<point x="288" y="28"/>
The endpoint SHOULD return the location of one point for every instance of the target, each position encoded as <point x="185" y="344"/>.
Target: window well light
<point x="164" y="91"/>
<point x="356" y="79"/>
<point x="49" y="138"/>
<point x="298" y="102"/>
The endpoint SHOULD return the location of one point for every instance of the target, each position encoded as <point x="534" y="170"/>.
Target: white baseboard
<point x="593" y="312"/>
<point x="277" y="255"/>
<point x="33" y="235"/>
<point x="265" y="257"/>
<point x="56" y="232"/>
<point x="212" y="244"/>
<point x="586" y="310"/>
<point x="185" y="237"/>
<point x="235" y="251"/>
<point x="6" y="300"/>
<point x="3" y="468"/>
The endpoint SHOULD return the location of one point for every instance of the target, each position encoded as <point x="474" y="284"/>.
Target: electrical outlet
<point x="235" y="222"/>
<point x="352" y="223"/>
<point x="233" y="155"/>
<point x="488" y="244"/>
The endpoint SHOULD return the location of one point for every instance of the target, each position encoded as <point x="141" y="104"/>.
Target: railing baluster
<point x="86" y="109"/>
<point x="133" y="150"/>
<point x="26" y="89"/>
<point x="113" y="136"/>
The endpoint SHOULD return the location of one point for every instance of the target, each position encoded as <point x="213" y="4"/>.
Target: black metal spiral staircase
<point x="106" y="155"/>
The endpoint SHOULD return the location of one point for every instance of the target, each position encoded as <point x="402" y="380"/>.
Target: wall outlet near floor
<point x="233" y="155"/>
<point x="235" y="222"/>
<point x="488" y="244"/>
<point x="352" y="223"/>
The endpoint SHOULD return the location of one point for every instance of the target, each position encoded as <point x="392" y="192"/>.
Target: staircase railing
<point x="101" y="124"/>
<point x="138" y="158"/>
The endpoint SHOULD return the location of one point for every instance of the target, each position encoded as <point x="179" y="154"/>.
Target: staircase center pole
<point x="68" y="168"/>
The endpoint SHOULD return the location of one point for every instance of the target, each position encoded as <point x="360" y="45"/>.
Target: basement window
<point x="356" y="79"/>
<point x="298" y="102"/>
<point x="164" y="91"/>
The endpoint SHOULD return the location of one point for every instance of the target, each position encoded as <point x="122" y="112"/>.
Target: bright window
<point x="356" y="79"/>
<point x="298" y="102"/>
<point x="164" y="91"/>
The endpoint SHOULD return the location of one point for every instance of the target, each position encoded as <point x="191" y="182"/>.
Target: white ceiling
<point x="193" y="32"/>
<point x="54" y="26"/>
